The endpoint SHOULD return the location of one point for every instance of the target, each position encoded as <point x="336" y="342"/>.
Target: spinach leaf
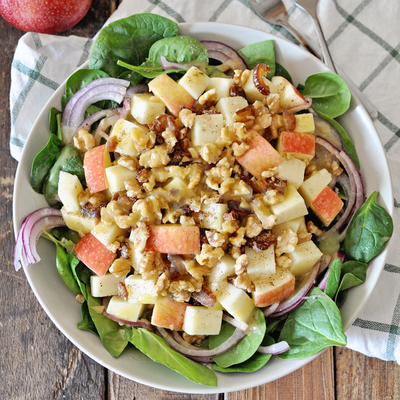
<point x="281" y="71"/>
<point x="179" y="49"/>
<point x="261" y="52"/>
<point x="353" y="274"/>
<point x="148" y="70"/>
<point x="64" y="269"/>
<point x="312" y="327"/>
<point x="246" y="347"/>
<point x="78" y="80"/>
<point x="129" y="40"/>
<point x="43" y="162"/>
<point x="159" y="351"/>
<point x="348" y="144"/>
<point x="113" y="336"/>
<point x="69" y="160"/>
<point x="369" y="231"/>
<point x="86" y="324"/>
<point x="329" y="92"/>
<point x="254" y="363"/>
<point x="55" y="122"/>
<point x="333" y="278"/>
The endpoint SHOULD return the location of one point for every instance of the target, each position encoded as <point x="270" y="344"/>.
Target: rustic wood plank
<point x="315" y="381"/>
<point x="36" y="360"/>
<point x="361" y="377"/>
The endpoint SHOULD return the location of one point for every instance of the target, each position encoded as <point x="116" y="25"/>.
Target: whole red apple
<point x="44" y="16"/>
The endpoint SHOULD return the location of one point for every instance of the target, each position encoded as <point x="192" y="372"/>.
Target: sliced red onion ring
<point x="193" y="351"/>
<point x="103" y="125"/>
<point x="91" y="119"/>
<point x="276" y="348"/>
<point x="234" y="322"/>
<point x="99" y="89"/>
<point x="225" y="54"/>
<point x="297" y="297"/>
<point x="144" y="323"/>
<point x="181" y="66"/>
<point x="326" y="131"/>
<point x="30" y="231"/>
<point x="132" y="90"/>
<point x="270" y="309"/>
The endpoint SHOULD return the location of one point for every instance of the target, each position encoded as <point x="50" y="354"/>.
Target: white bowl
<point x="59" y="302"/>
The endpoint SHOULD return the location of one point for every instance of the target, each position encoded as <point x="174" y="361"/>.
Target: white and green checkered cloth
<point x="364" y="39"/>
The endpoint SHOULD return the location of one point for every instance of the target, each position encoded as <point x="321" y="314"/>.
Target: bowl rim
<point x="208" y="29"/>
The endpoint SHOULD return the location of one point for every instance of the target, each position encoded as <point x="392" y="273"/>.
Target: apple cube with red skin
<point x="327" y="205"/>
<point x="275" y="288"/>
<point x="168" y="313"/>
<point x="94" y="254"/>
<point x="260" y="156"/>
<point x="173" y="239"/>
<point x="174" y="96"/>
<point x="42" y="15"/>
<point x="297" y="144"/>
<point x="290" y="99"/>
<point x="94" y="164"/>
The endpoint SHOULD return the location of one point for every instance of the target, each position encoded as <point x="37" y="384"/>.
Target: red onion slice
<point x="30" y="231"/>
<point x="297" y="297"/>
<point x="271" y="309"/>
<point x="91" y="119"/>
<point x="234" y="322"/>
<point x="193" y="351"/>
<point x="144" y="323"/>
<point x="225" y="54"/>
<point x="103" y="125"/>
<point x="276" y="348"/>
<point x="180" y="66"/>
<point x="326" y="131"/>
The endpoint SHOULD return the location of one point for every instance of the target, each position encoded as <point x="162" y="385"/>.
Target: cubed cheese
<point x="106" y="285"/>
<point x="206" y="128"/>
<point x="313" y="186"/>
<point x="252" y="93"/>
<point x="304" y="256"/>
<point x="214" y="215"/>
<point x="293" y="224"/>
<point x="220" y="272"/>
<point x="140" y="290"/>
<point x="78" y="222"/>
<point x="221" y="86"/>
<point x="228" y="106"/>
<point x="261" y="263"/>
<point x="69" y="187"/>
<point x="305" y="123"/>
<point x="107" y="233"/>
<point x="116" y="176"/>
<point x="194" y="82"/>
<point x="124" y="309"/>
<point x="292" y="170"/>
<point x="146" y="107"/>
<point x="202" y="321"/>
<point x="177" y="189"/>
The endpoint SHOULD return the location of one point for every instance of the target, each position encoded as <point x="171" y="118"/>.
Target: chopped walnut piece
<point x="286" y="242"/>
<point x="187" y="117"/>
<point x="240" y="77"/>
<point x="120" y="267"/>
<point x="193" y="338"/>
<point x="267" y="219"/>
<point x="283" y="261"/>
<point x="127" y="162"/>
<point x="269" y="173"/>
<point x="215" y="239"/>
<point x="156" y="157"/>
<point x="181" y="290"/>
<point x="230" y="226"/>
<point x="276" y="123"/>
<point x="195" y="173"/>
<point x="210" y="152"/>
<point x="209" y="255"/>
<point x="209" y="96"/>
<point x="196" y="270"/>
<point x="133" y="188"/>
<point x="336" y="169"/>
<point x="272" y="102"/>
<point x="240" y="149"/>
<point x="253" y="227"/>
<point x="84" y="141"/>
<point x="151" y="266"/>
<point x="80" y="298"/>
<point x="312" y="228"/>
<point x="162" y="284"/>
<point x="170" y="139"/>
<point x="235" y="252"/>
<point x="239" y="239"/>
<point x="186" y="221"/>
<point x="122" y="291"/>
<point x="242" y="280"/>
<point x="141" y="234"/>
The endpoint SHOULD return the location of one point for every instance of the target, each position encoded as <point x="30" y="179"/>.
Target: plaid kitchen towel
<point x="364" y="39"/>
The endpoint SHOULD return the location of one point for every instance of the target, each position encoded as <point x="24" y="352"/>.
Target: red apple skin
<point x="297" y="144"/>
<point x="44" y="16"/>
<point x="94" y="165"/>
<point x="168" y="313"/>
<point x="327" y="205"/>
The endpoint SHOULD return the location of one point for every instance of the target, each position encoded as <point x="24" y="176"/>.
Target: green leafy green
<point x="257" y="53"/>
<point x="246" y="347"/>
<point x="312" y="327"/>
<point x="333" y="278"/>
<point x="147" y="69"/>
<point x="353" y="273"/>
<point x="78" y="80"/>
<point x="86" y="324"/>
<point x="329" y="92"/>
<point x="348" y="144"/>
<point x="129" y="40"/>
<point x="43" y="162"/>
<point x="281" y="71"/>
<point x="159" y="351"/>
<point x="64" y="269"/>
<point x="369" y="231"/>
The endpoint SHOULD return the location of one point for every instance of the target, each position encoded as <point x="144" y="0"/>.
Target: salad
<point x="204" y="209"/>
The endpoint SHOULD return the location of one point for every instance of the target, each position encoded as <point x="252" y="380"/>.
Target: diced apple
<point x="177" y="189"/>
<point x="252" y="93"/>
<point x="313" y="186"/>
<point x="219" y="273"/>
<point x="293" y="224"/>
<point x="221" y="86"/>
<point x="106" y="285"/>
<point x="69" y="187"/>
<point x="174" y="96"/>
<point x="304" y="257"/>
<point x="275" y="288"/>
<point x="79" y="222"/>
<point x="327" y="205"/>
<point x="146" y="107"/>
<point x="228" y="106"/>
<point x="94" y="254"/>
<point x="206" y="128"/>
<point x="260" y="156"/>
<point x="124" y="310"/>
<point x="124" y="128"/>
<point x="116" y="176"/>
<point x="194" y="82"/>
<point x="292" y="170"/>
<point x="174" y="239"/>
<point x="94" y="164"/>
<point x="169" y="314"/>
<point x="261" y="263"/>
<point x="107" y="233"/>
<point x="202" y="321"/>
<point x="236" y="302"/>
<point x="291" y="207"/>
<point x="140" y="290"/>
<point x="305" y="123"/>
<point x="296" y="144"/>
<point x="290" y="99"/>
<point x="214" y="215"/>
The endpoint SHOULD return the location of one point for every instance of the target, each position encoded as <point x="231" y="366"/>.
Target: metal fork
<point x="274" y="11"/>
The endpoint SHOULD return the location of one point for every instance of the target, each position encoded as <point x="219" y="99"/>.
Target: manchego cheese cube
<point x="292" y="170"/>
<point x="221" y="86"/>
<point x="146" y="107"/>
<point x="304" y="257"/>
<point x="314" y="185"/>
<point x="140" y="290"/>
<point x="214" y="215"/>
<point x="107" y="233"/>
<point x="220" y="272"/>
<point x="194" y="82"/>
<point x="228" y="106"/>
<point x="106" y="285"/>
<point x="78" y="222"/>
<point x="201" y="320"/>
<point x="252" y="93"/>
<point x="116" y="176"/>
<point x="261" y="263"/>
<point x="206" y="128"/>
<point x="305" y="123"/>
<point x="124" y="309"/>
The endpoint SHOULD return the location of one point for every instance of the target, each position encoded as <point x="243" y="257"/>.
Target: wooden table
<point x="38" y="362"/>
